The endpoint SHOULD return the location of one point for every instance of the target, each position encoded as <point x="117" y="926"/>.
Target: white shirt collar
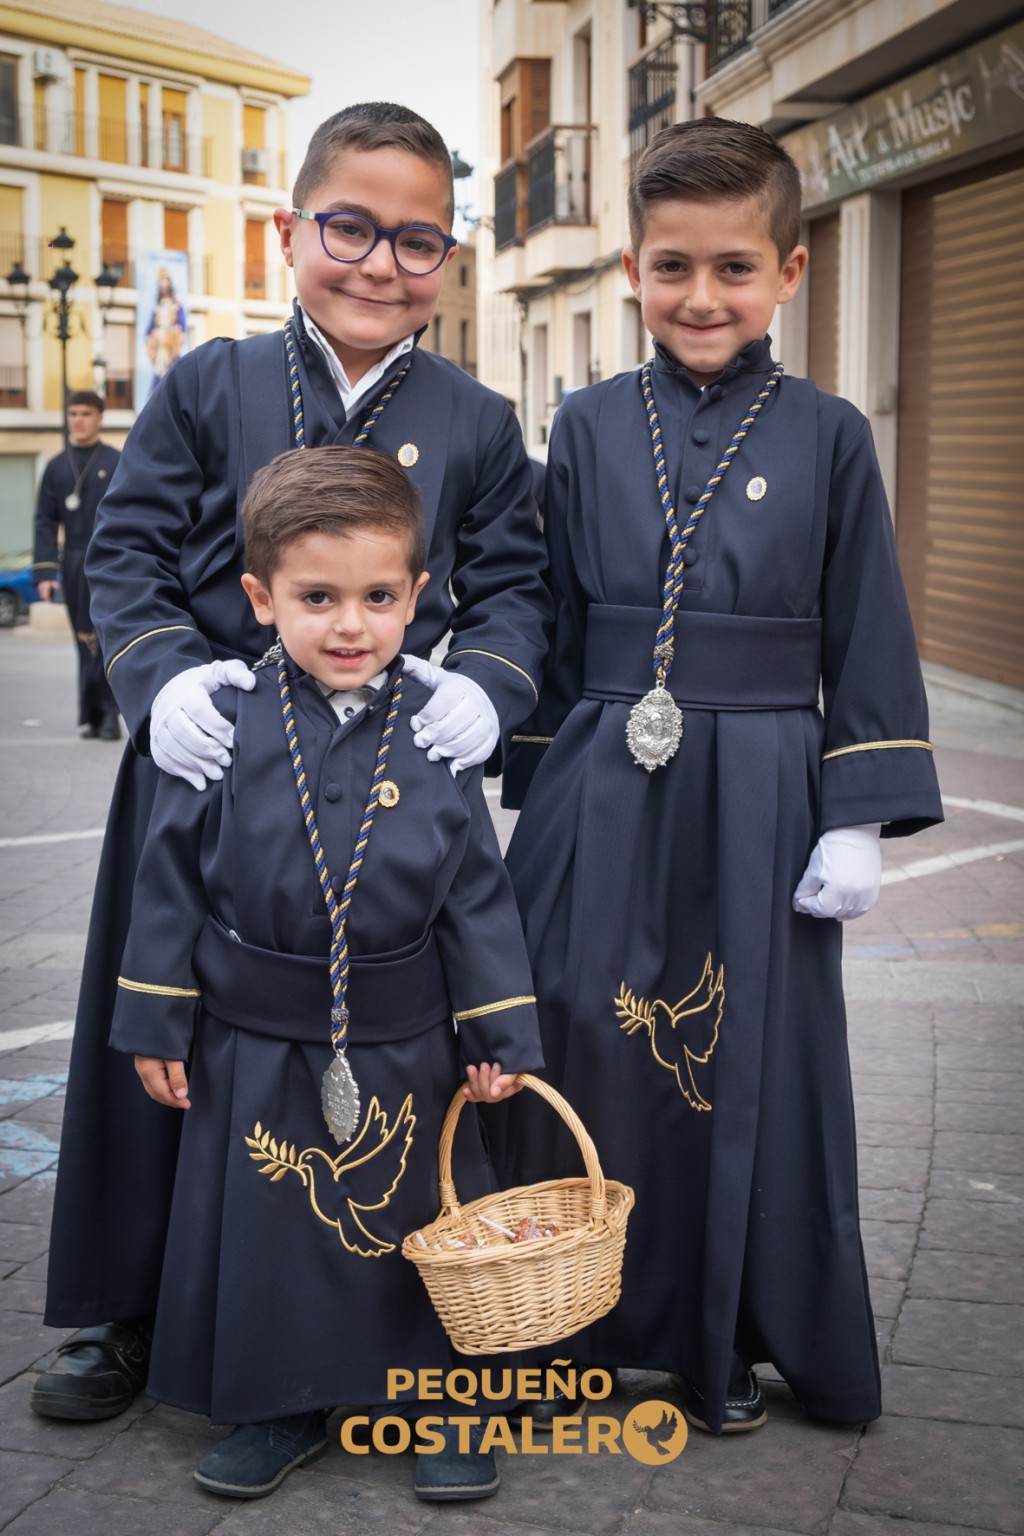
<point x="350" y="702"/>
<point x="351" y="393"/>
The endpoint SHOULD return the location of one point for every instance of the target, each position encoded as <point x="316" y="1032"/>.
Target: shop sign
<point x="970" y="100"/>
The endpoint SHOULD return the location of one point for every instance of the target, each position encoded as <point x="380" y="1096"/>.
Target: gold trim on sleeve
<point x="507" y="1002"/>
<point x="540" y="741"/>
<point x="877" y="746"/>
<point x="472" y="651"/>
<point x="145" y="986"/>
<point x="164" y="630"/>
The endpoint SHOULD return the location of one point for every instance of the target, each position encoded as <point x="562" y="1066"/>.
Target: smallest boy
<point x="284" y="1292"/>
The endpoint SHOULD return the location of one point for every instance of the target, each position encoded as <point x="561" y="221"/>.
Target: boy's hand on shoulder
<point x="459" y="722"/>
<point x="188" y="737"/>
<point x="843" y="875"/>
<point x="487" y="1083"/>
<point x="164" y="1081"/>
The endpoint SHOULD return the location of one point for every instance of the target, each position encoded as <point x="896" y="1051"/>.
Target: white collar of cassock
<point x="351" y="702"/>
<point x="352" y="393"/>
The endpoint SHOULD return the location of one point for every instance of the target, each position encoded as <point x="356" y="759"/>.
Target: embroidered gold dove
<point x="344" y="1190"/>
<point x="684" y="1035"/>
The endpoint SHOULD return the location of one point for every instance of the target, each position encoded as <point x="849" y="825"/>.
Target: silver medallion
<point x="340" y="1098"/>
<point x="655" y="728"/>
<point x="72" y="501"/>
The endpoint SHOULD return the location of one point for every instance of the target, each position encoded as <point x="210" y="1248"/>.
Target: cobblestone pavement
<point x="936" y="981"/>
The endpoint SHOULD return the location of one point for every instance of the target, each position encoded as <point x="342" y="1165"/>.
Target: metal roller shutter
<point x="960" y="470"/>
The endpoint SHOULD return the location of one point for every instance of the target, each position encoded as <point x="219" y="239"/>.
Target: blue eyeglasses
<point x="417" y="249"/>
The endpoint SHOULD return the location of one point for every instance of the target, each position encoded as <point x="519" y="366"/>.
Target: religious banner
<point x="161" y="328"/>
<point x="970" y="101"/>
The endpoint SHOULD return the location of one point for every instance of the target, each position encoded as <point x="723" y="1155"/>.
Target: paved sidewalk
<point x="936" y="981"/>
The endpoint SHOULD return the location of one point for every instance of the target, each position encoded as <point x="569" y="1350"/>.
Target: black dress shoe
<point x="110" y="727"/>
<point x="96" y="1374"/>
<point x="90" y="732"/>
<point x="744" y="1405"/>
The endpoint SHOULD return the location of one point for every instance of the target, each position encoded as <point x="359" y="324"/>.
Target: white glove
<point x="843" y="875"/>
<point x="187" y="736"/>
<point x="459" y="722"/>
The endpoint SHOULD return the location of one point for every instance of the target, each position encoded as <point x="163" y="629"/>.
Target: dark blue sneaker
<point x="448" y="1474"/>
<point x="256" y="1458"/>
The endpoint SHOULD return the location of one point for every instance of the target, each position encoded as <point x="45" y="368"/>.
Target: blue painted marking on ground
<point x="25" y="1090"/>
<point x="18" y="1136"/>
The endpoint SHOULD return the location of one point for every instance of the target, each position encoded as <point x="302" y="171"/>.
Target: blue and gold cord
<point x="672" y="590"/>
<point x="337" y="911"/>
<point x="295" y="389"/>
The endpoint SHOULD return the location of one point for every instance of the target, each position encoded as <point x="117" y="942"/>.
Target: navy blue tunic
<point x="164" y="568"/>
<point x="54" y="561"/>
<point x="284" y="1288"/>
<point x="695" y="1022"/>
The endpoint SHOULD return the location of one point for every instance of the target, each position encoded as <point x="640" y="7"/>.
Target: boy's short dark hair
<point x="371" y="125"/>
<point x="332" y="490"/>
<point x="87" y="397"/>
<point x="712" y="157"/>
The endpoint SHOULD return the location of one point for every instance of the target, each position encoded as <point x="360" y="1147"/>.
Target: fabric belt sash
<point x="722" y="661"/>
<point x="289" y="996"/>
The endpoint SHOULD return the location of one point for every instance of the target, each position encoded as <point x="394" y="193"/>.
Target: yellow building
<point x="452" y="329"/>
<point x="907" y="122"/>
<point x="135" y="134"/>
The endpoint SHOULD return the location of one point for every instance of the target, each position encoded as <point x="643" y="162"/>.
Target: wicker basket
<point x="508" y="1296"/>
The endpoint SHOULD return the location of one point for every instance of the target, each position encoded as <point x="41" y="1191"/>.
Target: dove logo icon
<point x="654" y="1432"/>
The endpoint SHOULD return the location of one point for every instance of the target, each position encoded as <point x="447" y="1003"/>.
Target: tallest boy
<point x="368" y="240"/>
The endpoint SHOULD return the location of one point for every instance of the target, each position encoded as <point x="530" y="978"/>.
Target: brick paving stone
<point x="310" y="1503"/>
<point x="890" y="1134"/>
<point x="889" y="1248"/>
<point x="111" y="1514"/>
<point x="918" y="1469"/>
<point x="957" y="1276"/>
<point x="1002" y="1189"/>
<point x="891" y="1167"/>
<point x="968" y="1397"/>
<point x="994" y="1153"/>
<point x="962" y="1335"/>
<point x="882" y="1108"/>
<point x="787" y="1475"/>
<point x="887" y="1297"/>
<point x="892" y="1204"/>
<point x="847" y="1524"/>
<point x="26" y="1479"/>
<point x="957" y="1114"/>
<point x="973" y="1226"/>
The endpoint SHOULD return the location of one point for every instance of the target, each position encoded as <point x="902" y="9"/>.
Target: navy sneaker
<point x="256" y="1458"/>
<point x="449" y="1474"/>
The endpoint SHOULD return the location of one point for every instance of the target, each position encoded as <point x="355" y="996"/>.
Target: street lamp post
<point x="61" y="284"/>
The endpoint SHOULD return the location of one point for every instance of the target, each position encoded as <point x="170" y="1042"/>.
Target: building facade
<point x="452" y="329"/>
<point x="907" y="122"/>
<point x="154" y="146"/>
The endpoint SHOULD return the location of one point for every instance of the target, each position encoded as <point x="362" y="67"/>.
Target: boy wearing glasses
<point x="368" y="246"/>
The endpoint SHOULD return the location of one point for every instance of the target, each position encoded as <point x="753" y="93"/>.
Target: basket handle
<point x="449" y="1199"/>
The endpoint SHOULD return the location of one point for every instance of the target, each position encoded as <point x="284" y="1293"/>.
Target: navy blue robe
<point x="284" y="1287"/>
<point x="65" y="562"/>
<point x="694" y="1021"/>
<point x="164" y="568"/>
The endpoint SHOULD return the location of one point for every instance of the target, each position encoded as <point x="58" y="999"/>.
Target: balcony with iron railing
<point x="111" y="140"/>
<point x="543" y="202"/>
<point x="40" y="261"/>
<point x="731" y="22"/>
<point x="652" y="96"/>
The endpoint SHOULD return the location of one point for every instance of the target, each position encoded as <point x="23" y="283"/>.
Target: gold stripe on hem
<point x="471" y="651"/>
<point x="166" y="629"/>
<point x="508" y="1002"/>
<point x="143" y="986"/>
<point x="877" y="746"/>
<point x="541" y="741"/>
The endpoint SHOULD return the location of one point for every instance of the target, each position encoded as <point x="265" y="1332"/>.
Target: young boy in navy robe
<point x="284" y="1291"/>
<point x="696" y="829"/>
<point x="368" y="240"/>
